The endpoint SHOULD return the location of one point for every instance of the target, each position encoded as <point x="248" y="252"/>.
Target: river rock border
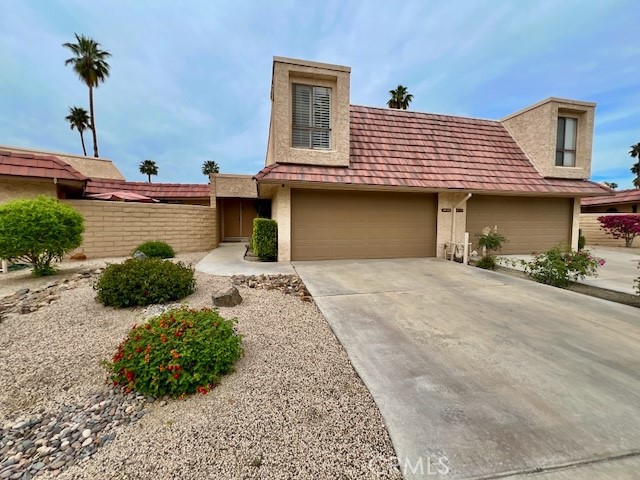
<point x="55" y="441"/>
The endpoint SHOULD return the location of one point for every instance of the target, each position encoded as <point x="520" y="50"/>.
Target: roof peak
<point x="394" y="111"/>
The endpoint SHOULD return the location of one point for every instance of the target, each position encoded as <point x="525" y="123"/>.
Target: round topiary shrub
<point x="143" y="282"/>
<point x="156" y="249"/>
<point x="37" y="231"/>
<point x="177" y="353"/>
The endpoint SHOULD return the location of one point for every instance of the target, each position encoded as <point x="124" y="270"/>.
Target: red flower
<point x="202" y="390"/>
<point x="176" y="376"/>
<point x="163" y="337"/>
<point x="178" y="334"/>
<point x="138" y="350"/>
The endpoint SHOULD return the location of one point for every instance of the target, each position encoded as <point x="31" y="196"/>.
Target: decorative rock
<point x="289" y="284"/>
<point x="86" y="433"/>
<point x="228" y="297"/>
<point x="138" y="255"/>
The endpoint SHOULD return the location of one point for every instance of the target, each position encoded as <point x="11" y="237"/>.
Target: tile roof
<point x="153" y="190"/>
<point x="39" y="166"/>
<point x="631" y="195"/>
<point x="408" y="149"/>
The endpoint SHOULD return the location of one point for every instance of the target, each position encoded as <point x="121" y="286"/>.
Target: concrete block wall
<point x="594" y="235"/>
<point x="114" y="229"/>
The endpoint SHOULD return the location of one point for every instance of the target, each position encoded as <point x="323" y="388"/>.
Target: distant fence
<point x="592" y="232"/>
<point x="114" y="229"/>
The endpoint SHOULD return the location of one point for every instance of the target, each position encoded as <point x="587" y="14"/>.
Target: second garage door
<point x="341" y="225"/>
<point x="529" y="224"/>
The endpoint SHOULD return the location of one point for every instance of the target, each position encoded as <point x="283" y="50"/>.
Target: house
<point x="349" y="181"/>
<point x="28" y="173"/>
<point x="622" y="201"/>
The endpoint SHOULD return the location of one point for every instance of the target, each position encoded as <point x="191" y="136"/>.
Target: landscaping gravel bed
<point x="294" y="408"/>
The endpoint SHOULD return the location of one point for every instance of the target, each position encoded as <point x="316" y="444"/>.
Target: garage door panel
<point x="529" y="224"/>
<point x="333" y="225"/>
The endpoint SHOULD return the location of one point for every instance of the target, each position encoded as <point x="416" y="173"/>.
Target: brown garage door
<point x="530" y="224"/>
<point x="331" y="225"/>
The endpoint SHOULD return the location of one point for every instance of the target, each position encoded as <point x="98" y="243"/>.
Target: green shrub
<point x="143" y="282"/>
<point x="582" y="241"/>
<point x="177" y="353"/>
<point x="265" y="239"/>
<point x="156" y="249"/>
<point x="559" y="267"/>
<point x="488" y="262"/>
<point x="37" y="231"/>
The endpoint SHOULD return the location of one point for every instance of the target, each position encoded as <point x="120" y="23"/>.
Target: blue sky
<point x="190" y="80"/>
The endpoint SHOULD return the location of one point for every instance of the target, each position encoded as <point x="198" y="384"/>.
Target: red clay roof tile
<point x="39" y="166"/>
<point x="631" y="195"/>
<point x="421" y="150"/>
<point x="154" y="190"/>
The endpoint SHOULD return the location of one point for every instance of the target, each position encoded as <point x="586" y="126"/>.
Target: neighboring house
<point x="623" y="201"/>
<point x="28" y="173"/>
<point x="360" y="182"/>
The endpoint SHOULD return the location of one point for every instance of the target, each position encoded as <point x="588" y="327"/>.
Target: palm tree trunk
<point x="149" y="175"/>
<point x="93" y="123"/>
<point x="84" y="149"/>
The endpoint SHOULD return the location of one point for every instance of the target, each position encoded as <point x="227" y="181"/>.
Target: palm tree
<point x="90" y="63"/>
<point x="210" y="167"/>
<point x="400" y="98"/>
<point x="149" y="167"/>
<point x="78" y="118"/>
<point x="635" y="169"/>
<point x="611" y="185"/>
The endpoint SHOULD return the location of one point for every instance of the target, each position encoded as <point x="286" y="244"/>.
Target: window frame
<point x="562" y="149"/>
<point x="312" y="109"/>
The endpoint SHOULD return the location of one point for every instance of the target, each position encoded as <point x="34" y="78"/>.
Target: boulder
<point x="138" y="255"/>
<point x="227" y="297"/>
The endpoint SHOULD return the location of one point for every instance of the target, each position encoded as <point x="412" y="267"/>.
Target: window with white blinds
<point x="311" y="117"/>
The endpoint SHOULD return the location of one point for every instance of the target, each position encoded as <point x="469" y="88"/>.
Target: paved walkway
<point x="492" y="375"/>
<point x="617" y="274"/>
<point x="227" y="260"/>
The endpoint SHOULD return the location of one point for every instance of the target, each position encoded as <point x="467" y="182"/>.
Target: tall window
<point x="566" y="142"/>
<point x="311" y="117"/>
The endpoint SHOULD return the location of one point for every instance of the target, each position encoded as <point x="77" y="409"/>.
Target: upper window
<point x="311" y="117"/>
<point x="566" y="142"/>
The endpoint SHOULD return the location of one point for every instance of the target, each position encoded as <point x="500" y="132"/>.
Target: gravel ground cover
<point x="294" y="408"/>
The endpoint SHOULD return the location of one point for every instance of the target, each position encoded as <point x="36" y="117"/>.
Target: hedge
<point x="265" y="239"/>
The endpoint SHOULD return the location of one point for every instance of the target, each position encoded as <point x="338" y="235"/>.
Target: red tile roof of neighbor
<point x="623" y="196"/>
<point x="409" y="149"/>
<point x="153" y="190"/>
<point x="39" y="166"/>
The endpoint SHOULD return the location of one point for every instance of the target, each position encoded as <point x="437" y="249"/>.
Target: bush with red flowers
<point x="621" y="226"/>
<point x="180" y="352"/>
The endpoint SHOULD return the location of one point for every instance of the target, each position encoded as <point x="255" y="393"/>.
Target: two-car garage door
<point x="346" y="224"/>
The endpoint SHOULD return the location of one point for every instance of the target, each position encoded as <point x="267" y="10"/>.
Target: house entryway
<point x="237" y="218"/>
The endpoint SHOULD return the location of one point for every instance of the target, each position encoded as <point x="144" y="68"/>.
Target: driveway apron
<point x="483" y="375"/>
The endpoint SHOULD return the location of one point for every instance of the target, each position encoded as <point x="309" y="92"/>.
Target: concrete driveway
<point x="490" y="375"/>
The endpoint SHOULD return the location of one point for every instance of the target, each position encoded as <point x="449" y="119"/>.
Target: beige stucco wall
<point x="115" y="228"/>
<point x="288" y="71"/>
<point x="594" y="235"/>
<point x="12" y="189"/>
<point x="444" y="229"/>
<point x="281" y="213"/>
<point x="88" y="166"/>
<point x="233" y="186"/>
<point x="575" y="224"/>
<point x="535" y="130"/>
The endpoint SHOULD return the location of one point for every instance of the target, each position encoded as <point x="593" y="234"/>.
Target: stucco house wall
<point x="12" y="188"/>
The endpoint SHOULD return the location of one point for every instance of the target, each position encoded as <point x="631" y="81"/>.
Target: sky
<point x="190" y="81"/>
